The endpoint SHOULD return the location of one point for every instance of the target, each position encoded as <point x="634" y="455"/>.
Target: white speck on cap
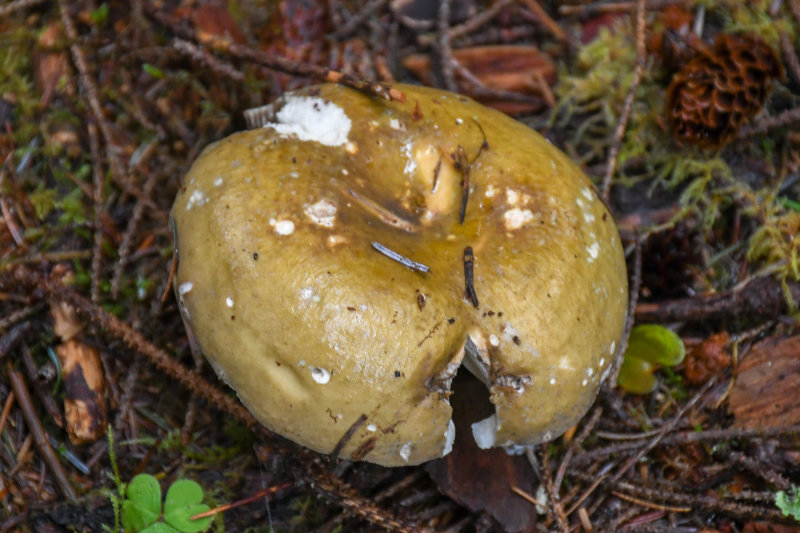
<point x="411" y="164"/>
<point x="322" y="213"/>
<point x="459" y="121"/>
<point x="516" y="218"/>
<point x="485" y="432"/>
<point x="196" y="198"/>
<point x="612" y="348"/>
<point x="512" y="196"/>
<point x="593" y="250"/>
<point x="405" y="451"/>
<point x="493" y="340"/>
<point x="229" y="301"/>
<point x="372" y="427"/>
<point x="183" y="288"/>
<point x="312" y="119"/>
<point x="217" y="181"/>
<point x="320" y="375"/>
<point x="282" y="227"/>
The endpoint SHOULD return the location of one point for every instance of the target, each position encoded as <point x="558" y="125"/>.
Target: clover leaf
<point x="184" y="500"/>
<point x="142" y="504"/>
<point x="142" y="509"/>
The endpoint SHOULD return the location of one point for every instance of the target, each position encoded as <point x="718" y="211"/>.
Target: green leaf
<point x="159" y="527"/>
<point x="142" y="505"/>
<point x="655" y="344"/>
<point x="636" y="376"/>
<point x="789" y="504"/>
<point x="184" y="499"/>
<point x="153" y="70"/>
<point x="100" y="15"/>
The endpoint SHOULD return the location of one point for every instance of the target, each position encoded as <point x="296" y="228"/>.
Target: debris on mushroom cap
<point x="301" y="251"/>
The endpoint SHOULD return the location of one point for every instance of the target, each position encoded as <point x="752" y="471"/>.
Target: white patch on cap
<point x="405" y="451"/>
<point x="485" y="432"/>
<point x="307" y="293"/>
<point x="587" y="193"/>
<point x="229" y="301"/>
<point x="282" y="227"/>
<point x="612" y="348"/>
<point x="516" y="218"/>
<point x="372" y="427"/>
<point x="320" y="375"/>
<point x="411" y="164"/>
<point x="449" y="438"/>
<point x="217" y="181"/>
<point x="396" y="124"/>
<point x="459" y="121"/>
<point x="490" y="191"/>
<point x="183" y="288"/>
<point x="335" y="240"/>
<point x="552" y="381"/>
<point x="493" y="340"/>
<point x="512" y="196"/>
<point x="593" y="250"/>
<point x="196" y="198"/>
<point x="312" y="119"/>
<point x="322" y="213"/>
<point x="602" y="361"/>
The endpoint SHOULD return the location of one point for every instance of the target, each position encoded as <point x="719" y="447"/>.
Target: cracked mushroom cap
<point x="285" y="235"/>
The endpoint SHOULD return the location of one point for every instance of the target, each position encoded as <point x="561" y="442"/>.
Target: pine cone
<point x="720" y="89"/>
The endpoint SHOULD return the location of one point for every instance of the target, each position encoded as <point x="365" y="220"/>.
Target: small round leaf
<point x="184" y="499"/>
<point x="655" y="344"/>
<point x="636" y="376"/>
<point x="142" y="504"/>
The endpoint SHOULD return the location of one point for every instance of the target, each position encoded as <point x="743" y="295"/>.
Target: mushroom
<point x="340" y="263"/>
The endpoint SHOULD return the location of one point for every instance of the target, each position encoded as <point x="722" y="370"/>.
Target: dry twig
<point x="638" y="72"/>
<point x="39" y="435"/>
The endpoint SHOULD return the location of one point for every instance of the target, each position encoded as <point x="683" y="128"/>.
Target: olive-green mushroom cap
<point x="329" y="342"/>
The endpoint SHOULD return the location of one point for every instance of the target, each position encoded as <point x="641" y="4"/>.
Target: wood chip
<point x="767" y="381"/>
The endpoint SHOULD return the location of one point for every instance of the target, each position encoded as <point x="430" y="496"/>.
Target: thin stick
<point x="283" y="64"/>
<point x="119" y="174"/>
<point x="6" y="409"/>
<point x="790" y="55"/>
<point x="641" y="59"/>
<point x="469" y="261"/>
<point x="201" y="56"/>
<point x="347" y="436"/>
<point x="478" y="20"/>
<point x="39" y="434"/>
<point x="386" y="216"/>
<point x="545" y="19"/>
<point x="786" y="118"/>
<point x="97" y="196"/>
<point x="400" y="259"/>
<point x="443" y="45"/>
<point x="651" y="505"/>
<point x="356" y="20"/>
<point x="256" y="496"/>
<point x="552" y="494"/>
<point x="587" y="428"/>
<point x="525" y="496"/>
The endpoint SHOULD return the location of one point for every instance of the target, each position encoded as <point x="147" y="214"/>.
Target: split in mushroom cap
<point x="299" y="313"/>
